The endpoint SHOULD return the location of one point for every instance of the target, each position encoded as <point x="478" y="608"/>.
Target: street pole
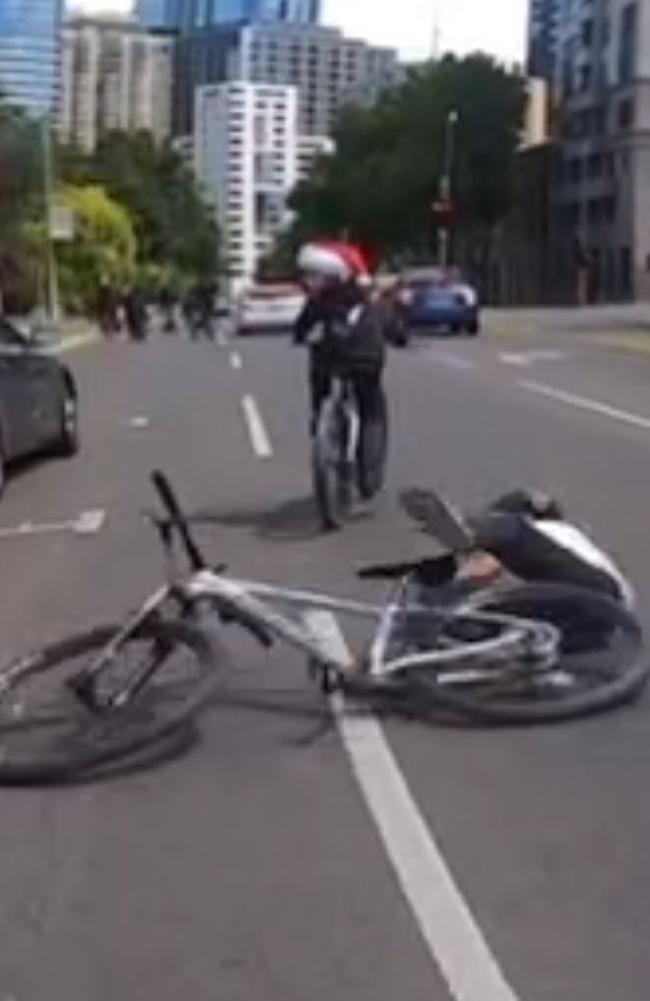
<point x="52" y="286"/>
<point x="444" y="234"/>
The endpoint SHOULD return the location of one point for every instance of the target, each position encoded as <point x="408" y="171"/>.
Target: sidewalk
<point x="611" y="322"/>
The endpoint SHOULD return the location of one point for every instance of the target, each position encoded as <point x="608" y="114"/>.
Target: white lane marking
<point x="585" y="403"/>
<point x="236" y="361"/>
<point x="87" y="523"/>
<point x="445" y="921"/>
<point x="139" y="422"/>
<point x="257" y="431"/>
<point x="526" y="358"/>
<point x="455" y="361"/>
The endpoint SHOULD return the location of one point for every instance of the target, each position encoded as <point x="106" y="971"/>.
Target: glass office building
<point x="190" y="15"/>
<point x="29" y="53"/>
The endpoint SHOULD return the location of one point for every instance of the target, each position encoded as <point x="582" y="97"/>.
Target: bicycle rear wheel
<point x="47" y="734"/>
<point x="600" y="665"/>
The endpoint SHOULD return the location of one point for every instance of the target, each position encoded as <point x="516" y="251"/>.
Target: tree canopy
<point x="174" y="227"/>
<point x="380" y="185"/>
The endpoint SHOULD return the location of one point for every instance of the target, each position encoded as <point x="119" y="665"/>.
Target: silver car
<point x="38" y="401"/>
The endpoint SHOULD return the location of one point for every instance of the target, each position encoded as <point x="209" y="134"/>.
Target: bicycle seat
<point x="438" y="518"/>
<point x="431" y="572"/>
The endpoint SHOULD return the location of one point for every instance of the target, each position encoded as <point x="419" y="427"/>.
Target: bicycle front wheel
<point x="332" y="475"/>
<point x="47" y="734"/>
<point x="601" y="663"/>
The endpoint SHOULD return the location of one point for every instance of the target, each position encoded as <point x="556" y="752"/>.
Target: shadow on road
<point x="292" y="521"/>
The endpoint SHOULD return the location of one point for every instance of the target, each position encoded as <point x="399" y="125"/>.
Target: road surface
<point x="292" y="855"/>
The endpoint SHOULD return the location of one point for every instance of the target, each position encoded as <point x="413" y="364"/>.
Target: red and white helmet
<point x="332" y="261"/>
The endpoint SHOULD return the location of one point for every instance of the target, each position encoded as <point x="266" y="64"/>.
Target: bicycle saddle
<point x="430" y="572"/>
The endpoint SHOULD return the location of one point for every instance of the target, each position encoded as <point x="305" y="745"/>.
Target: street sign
<point x="61" y="224"/>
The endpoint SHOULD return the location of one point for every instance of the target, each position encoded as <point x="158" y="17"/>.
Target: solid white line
<point x="258" y="435"/>
<point x="445" y="921"/>
<point x="584" y="403"/>
<point x="236" y="361"/>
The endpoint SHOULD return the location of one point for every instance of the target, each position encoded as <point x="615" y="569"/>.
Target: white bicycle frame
<point x="258" y="602"/>
<point x="336" y="398"/>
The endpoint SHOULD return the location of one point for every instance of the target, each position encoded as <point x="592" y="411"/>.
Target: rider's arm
<point x="309" y="316"/>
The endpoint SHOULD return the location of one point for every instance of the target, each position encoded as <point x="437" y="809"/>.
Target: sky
<point x="497" y="27"/>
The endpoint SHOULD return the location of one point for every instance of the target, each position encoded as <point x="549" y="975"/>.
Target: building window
<point x="628" y="42"/>
<point x="625" y="115"/>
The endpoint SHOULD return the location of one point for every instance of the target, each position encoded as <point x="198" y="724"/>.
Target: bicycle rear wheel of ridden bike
<point x="48" y="734"/>
<point x="601" y="662"/>
<point x="332" y="477"/>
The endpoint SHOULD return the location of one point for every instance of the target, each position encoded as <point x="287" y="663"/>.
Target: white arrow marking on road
<point x="446" y="923"/>
<point x="87" y="523"/>
<point x="235" y="361"/>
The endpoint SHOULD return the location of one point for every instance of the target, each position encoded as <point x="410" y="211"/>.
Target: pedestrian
<point x="135" y="312"/>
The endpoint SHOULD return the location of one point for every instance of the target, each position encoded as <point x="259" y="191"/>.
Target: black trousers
<point x="368" y="391"/>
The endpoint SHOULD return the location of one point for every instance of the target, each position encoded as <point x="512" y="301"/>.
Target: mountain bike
<point x="511" y="654"/>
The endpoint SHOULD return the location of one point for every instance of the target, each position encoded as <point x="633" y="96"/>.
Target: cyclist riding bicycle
<point x="344" y="332"/>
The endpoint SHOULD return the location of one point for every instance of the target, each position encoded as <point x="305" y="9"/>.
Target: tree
<point x="21" y="196"/>
<point x="174" y="226"/>
<point x="103" y="251"/>
<point x="380" y="185"/>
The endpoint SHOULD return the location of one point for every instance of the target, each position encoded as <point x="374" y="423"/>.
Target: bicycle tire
<point x="74" y="740"/>
<point x="331" y="481"/>
<point x="539" y="699"/>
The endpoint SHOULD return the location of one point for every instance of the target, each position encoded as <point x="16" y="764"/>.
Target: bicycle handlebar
<point x="177" y="519"/>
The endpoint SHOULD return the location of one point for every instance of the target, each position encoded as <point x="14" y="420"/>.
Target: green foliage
<point x="21" y="199"/>
<point x="174" y="227"/>
<point x="379" y="186"/>
<point x="103" y="251"/>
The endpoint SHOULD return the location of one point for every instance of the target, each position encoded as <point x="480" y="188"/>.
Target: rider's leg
<point x="320" y="381"/>
<point x="371" y="401"/>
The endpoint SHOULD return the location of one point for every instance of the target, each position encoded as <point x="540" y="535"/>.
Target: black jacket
<point x="350" y="329"/>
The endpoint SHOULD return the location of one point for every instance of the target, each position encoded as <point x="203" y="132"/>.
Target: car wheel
<point x="473" y="328"/>
<point x="68" y="443"/>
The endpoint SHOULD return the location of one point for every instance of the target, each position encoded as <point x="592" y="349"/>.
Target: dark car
<point x="433" y="302"/>
<point x="38" y="400"/>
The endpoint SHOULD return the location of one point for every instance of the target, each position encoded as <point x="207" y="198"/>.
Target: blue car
<point x="434" y="304"/>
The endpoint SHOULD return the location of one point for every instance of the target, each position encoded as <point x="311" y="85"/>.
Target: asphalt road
<point x="289" y="857"/>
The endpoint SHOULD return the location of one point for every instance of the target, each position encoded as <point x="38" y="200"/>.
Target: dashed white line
<point x="455" y="361"/>
<point x="585" y="403"/>
<point x="446" y="923"/>
<point x="260" y="440"/>
<point x="236" y="360"/>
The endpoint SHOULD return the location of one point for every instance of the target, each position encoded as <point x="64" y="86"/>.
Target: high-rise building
<point x="191" y="15"/>
<point x="29" y="53"/>
<point x="115" y="75"/>
<point x="543" y="37"/>
<point x="603" y="195"/>
<point x="246" y="156"/>
<point x="327" y="69"/>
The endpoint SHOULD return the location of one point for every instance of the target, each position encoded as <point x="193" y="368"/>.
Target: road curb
<point x="74" y="343"/>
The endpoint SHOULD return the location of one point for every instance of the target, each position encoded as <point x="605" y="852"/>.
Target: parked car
<point x="269" y="308"/>
<point x="433" y="300"/>
<point x="38" y="400"/>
